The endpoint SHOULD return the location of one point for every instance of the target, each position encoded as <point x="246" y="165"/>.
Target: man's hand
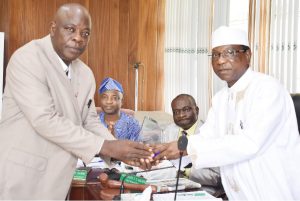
<point x="130" y="152"/>
<point x="167" y="151"/>
<point x="145" y="164"/>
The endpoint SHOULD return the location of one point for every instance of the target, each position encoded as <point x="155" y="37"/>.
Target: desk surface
<point x="91" y="189"/>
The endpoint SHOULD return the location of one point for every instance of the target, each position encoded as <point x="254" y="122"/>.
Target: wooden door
<point x="130" y="32"/>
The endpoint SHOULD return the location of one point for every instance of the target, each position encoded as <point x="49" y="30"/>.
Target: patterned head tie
<point x="110" y="84"/>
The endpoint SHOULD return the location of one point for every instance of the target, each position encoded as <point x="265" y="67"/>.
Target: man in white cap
<point x="251" y="129"/>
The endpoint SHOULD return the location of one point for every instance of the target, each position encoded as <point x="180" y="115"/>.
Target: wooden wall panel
<point x="150" y="46"/>
<point x="148" y="42"/>
<point x="3" y="27"/>
<point x="159" y="101"/>
<point x="145" y="42"/>
<point x="133" y="49"/>
<point x="122" y="66"/>
<point x="99" y="43"/>
<point x="123" y="32"/>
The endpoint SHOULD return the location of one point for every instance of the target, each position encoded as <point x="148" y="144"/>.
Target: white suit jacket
<point x="46" y="123"/>
<point x="251" y="133"/>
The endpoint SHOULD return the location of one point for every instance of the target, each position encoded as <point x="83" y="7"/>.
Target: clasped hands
<point x="142" y="155"/>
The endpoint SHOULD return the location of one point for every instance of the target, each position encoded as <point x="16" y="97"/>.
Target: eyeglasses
<point x="226" y="54"/>
<point x="184" y="110"/>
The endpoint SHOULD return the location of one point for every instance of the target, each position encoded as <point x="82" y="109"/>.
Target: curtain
<point x="189" y="24"/>
<point x="221" y="17"/>
<point x="187" y="66"/>
<point x="283" y="61"/>
<point x="274" y="31"/>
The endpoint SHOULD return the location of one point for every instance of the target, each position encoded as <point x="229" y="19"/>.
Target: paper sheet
<point x="195" y="195"/>
<point x="184" y="162"/>
<point x="145" y="196"/>
<point x="97" y="162"/>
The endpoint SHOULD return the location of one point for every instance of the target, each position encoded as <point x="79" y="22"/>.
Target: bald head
<point x="185" y="97"/>
<point x="71" y="9"/>
<point x="70" y="31"/>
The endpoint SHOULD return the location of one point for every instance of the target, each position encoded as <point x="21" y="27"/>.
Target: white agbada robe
<point x="251" y="133"/>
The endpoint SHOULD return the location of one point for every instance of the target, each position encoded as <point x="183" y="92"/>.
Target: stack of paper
<point x="165" y="185"/>
<point x="97" y="162"/>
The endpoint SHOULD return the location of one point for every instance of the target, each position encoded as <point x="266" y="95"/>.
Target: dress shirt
<point x="65" y="67"/>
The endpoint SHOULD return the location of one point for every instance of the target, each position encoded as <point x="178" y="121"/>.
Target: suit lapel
<point x="74" y="83"/>
<point x="71" y="86"/>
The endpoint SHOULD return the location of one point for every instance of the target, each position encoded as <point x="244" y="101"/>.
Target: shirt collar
<point x="190" y="131"/>
<point x="243" y="82"/>
<point x="65" y="67"/>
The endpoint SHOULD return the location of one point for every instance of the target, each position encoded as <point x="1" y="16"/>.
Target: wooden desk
<point x="91" y="189"/>
<point x="89" y="192"/>
<point x="80" y="191"/>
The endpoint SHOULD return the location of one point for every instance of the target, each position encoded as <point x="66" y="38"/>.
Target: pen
<point x="97" y="161"/>
<point x="155" y="154"/>
<point x="89" y="103"/>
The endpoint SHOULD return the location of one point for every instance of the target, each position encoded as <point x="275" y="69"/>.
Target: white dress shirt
<point x="65" y="67"/>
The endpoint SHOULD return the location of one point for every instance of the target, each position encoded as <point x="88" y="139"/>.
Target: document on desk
<point x="96" y="162"/>
<point x="184" y="162"/>
<point x="145" y="196"/>
<point x="182" y="196"/>
<point x="165" y="185"/>
<point x="158" y="171"/>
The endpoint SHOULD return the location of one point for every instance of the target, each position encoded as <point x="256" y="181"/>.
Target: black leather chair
<point x="296" y="99"/>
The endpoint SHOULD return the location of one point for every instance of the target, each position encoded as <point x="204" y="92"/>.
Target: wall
<point x="124" y="32"/>
<point x="1" y="67"/>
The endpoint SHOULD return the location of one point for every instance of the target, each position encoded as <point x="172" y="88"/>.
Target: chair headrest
<point x="296" y="100"/>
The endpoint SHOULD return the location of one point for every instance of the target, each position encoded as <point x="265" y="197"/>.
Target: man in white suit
<point x="251" y="130"/>
<point x="49" y="118"/>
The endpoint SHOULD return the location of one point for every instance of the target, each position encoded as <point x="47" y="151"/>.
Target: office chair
<point x="296" y="100"/>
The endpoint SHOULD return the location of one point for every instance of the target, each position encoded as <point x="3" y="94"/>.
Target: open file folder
<point x="151" y="132"/>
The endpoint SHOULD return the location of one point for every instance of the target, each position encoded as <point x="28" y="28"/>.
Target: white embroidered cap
<point x="229" y="36"/>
